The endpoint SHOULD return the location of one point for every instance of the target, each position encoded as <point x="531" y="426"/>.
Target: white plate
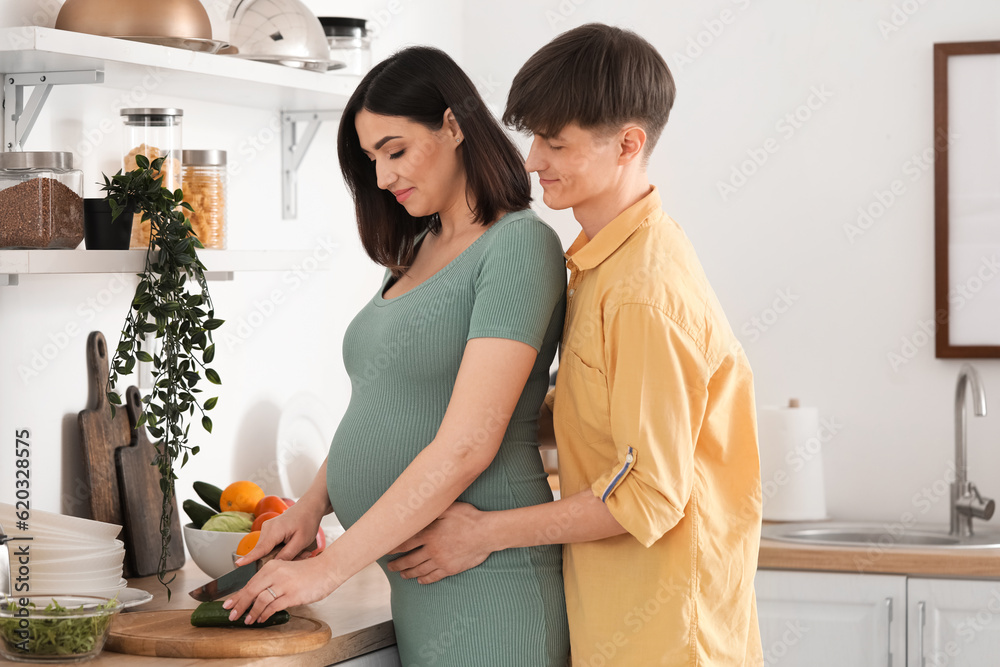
<point x="305" y="430"/>
<point x="132" y="597"/>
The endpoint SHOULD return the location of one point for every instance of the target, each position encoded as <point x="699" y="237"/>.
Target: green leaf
<point x="209" y="354"/>
<point x="142" y="162"/>
<point x="206" y="423"/>
<point x="210" y="403"/>
<point x="144" y="356"/>
<point x="213" y="324"/>
<point x="114" y="398"/>
<point x="212" y="376"/>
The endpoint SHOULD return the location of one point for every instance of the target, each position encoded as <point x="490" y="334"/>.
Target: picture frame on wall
<point x="967" y="199"/>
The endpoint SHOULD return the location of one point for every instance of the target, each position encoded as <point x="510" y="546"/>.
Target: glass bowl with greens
<point x="55" y="628"/>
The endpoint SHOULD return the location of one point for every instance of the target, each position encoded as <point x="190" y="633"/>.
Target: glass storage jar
<point x="154" y="133"/>
<point x="204" y="175"/>
<point x="350" y="43"/>
<point x="41" y="200"/>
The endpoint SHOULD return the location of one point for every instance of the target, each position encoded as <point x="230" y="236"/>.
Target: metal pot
<point x="279" y="31"/>
<point x="136" y="18"/>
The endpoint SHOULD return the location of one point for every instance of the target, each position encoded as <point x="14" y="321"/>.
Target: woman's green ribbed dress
<point x="403" y="355"/>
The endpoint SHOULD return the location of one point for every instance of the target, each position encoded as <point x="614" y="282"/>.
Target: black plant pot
<point x="98" y="230"/>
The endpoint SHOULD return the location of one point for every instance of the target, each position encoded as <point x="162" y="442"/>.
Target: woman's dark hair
<point x="420" y="83"/>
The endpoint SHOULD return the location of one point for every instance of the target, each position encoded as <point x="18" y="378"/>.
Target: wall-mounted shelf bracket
<point x="293" y="149"/>
<point x="18" y="117"/>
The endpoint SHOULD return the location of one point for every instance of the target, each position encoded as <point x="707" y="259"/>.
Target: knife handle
<point x="274" y="552"/>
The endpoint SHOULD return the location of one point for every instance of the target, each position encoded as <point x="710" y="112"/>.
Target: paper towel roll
<point x="791" y="463"/>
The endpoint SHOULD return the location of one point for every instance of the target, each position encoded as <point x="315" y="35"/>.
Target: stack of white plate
<point x="66" y="554"/>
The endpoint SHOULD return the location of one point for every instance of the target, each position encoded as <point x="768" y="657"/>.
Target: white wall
<point x="284" y="330"/>
<point x="783" y="231"/>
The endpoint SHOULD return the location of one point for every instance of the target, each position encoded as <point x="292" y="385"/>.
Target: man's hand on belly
<point x="456" y="541"/>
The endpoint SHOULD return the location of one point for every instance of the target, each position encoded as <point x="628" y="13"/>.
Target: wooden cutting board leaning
<point x="169" y="634"/>
<point x="142" y="500"/>
<point x="124" y="487"/>
<point x="101" y="435"/>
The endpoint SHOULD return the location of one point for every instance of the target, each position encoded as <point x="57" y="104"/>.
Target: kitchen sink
<point x="880" y="535"/>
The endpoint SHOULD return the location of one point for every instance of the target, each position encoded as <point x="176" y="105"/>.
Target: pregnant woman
<point x="448" y="365"/>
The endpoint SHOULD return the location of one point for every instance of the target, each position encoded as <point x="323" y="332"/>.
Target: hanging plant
<point x="172" y="301"/>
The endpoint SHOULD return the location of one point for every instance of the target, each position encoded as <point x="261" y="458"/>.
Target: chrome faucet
<point x="965" y="499"/>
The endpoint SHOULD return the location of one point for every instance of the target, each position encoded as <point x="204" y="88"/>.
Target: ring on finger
<point x="273" y="594"/>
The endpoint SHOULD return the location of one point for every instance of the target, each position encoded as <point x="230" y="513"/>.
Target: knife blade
<point x="233" y="581"/>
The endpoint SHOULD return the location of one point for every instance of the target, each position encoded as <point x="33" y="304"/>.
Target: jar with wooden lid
<point x="41" y="200"/>
<point x="204" y="175"/>
<point x="154" y="133"/>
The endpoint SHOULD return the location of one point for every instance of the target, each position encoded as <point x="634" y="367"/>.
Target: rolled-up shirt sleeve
<point x="658" y="390"/>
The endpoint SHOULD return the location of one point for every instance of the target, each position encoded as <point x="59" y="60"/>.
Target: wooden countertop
<point x="981" y="563"/>
<point x="358" y="613"/>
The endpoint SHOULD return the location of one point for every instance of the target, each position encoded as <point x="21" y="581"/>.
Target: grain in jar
<point x="41" y="200"/>
<point x="204" y="175"/>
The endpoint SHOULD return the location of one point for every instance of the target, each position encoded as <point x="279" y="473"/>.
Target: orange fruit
<point x="259" y="521"/>
<point x="248" y="542"/>
<point x="270" y="504"/>
<point x="240" y="497"/>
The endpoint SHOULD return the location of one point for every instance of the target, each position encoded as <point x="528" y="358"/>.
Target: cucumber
<point x="212" y="615"/>
<point x="210" y="494"/>
<point x="199" y="513"/>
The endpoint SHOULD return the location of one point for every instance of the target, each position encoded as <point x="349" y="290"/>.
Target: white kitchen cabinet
<point x="819" y="619"/>
<point x="953" y="622"/>
<point x="387" y="657"/>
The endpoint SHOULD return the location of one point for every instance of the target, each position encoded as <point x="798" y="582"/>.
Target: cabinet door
<point x="953" y="622"/>
<point x="387" y="657"/>
<point x="819" y="619"/>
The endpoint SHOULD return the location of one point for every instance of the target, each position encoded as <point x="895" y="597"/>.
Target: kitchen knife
<point x="233" y="581"/>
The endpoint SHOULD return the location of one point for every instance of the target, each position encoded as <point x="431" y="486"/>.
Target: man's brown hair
<point x="600" y="77"/>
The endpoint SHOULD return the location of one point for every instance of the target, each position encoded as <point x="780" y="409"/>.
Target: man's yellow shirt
<point x="653" y="411"/>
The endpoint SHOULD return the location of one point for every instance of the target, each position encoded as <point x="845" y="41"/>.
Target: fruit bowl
<point x="211" y="549"/>
<point x="55" y="628"/>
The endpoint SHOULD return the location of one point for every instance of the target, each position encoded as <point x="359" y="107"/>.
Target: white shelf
<point x="172" y="71"/>
<point x="27" y="262"/>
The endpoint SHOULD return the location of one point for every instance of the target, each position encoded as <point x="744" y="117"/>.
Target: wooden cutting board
<point x="141" y="500"/>
<point x="101" y="435"/>
<point x="169" y="634"/>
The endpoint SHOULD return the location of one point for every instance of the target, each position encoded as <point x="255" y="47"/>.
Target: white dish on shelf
<point x="296" y="62"/>
<point x="305" y="431"/>
<point x="188" y="43"/>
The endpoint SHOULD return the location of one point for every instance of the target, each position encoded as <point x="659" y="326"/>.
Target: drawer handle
<point x="921" y="620"/>
<point x="888" y="631"/>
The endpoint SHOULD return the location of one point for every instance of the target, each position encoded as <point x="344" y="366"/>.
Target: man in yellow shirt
<point x="653" y="408"/>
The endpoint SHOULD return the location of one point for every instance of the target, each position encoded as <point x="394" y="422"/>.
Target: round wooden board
<point x="169" y="634"/>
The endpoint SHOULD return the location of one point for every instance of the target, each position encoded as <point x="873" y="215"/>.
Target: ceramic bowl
<point x="212" y="550"/>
